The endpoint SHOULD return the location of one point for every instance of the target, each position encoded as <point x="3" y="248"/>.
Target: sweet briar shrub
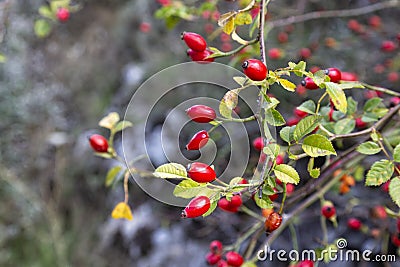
<point x="320" y="129"/>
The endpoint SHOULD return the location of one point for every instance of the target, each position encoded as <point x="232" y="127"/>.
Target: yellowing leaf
<point x="238" y="39"/>
<point x="224" y="18"/>
<point x="229" y="26"/>
<point x="110" y="120"/>
<point x="243" y="18"/>
<point x="122" y="211"/>
<point x="171" y="171"/>
<point x="228" y="103"/>
<point x="288" y="85"/>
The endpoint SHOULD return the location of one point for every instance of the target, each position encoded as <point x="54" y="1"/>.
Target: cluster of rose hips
<point x="216" y="258"/>
<point x="198" y="50"/>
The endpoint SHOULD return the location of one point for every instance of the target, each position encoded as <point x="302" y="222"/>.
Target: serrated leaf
<point x="274" y="118"/>
<point x="122" y="125"/>
<point x="122" y="211"/>
<point x="380" y="172"/>
<point x="308" y="106"/>
<point x="396" y="153"/>
<point x="272" y="150"/>
<point x="42" y="28"/>
<point x="369" y="148"/>
<point x="112" y="174"/>
<point x="171" y="170"/>
<point x="372" y="103"/>
<point x="394" y="190"/>
<point x="264" y="202"/>
<point x="287" y="133"/>
<point x="287" y="174"/>
<point x="110" y="120"/>
<point x="337" y="96"/>
<point x="228" y="103"/>
<point x="213" y="206"/>
<point x="243" y="18"/>
<point x="229" y="27"/>
<point x="345" y="126"/>
<point x="351" y="106"/>
<point x="306" y="126"/>
<point x="238" y="39"/>
<point x="286" y="84"/>
<point x="317" y="145"/>
<point x="188" y="189"/>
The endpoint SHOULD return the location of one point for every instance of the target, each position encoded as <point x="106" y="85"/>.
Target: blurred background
<point x="55" y="208"/>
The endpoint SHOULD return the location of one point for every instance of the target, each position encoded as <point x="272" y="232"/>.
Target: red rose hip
<point x="334" y="74"/>
<point x="309" y="83"/>
<point x="196" y="207"/>
<point x="199" y="140"/>
<point x="258" y="143"/>
<point x="200" y="57"/>
<point x="354" y="224"/>
<point x="63" y="14"/>
<point x="255" y="69"/>
<point x="201" y="113"/>
<point x="99" y="143"/>
<point x="328" y="211"/>
<point x="212" y="258"/>
<point x="201" y="172"/>
<point x="234" y="259"/>
<point x="194" y="41"/>
<point x="216" y="247"/>
<point x="273" y="222"/>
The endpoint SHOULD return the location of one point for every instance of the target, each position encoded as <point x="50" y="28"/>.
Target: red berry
<point x="255" y="69"/>
<point x="258" y="143"/>
<point x="222" y="263"/>
<point x="199" y="140"/>
<point x="234" y="259"/>
<point x="292" y="121"/>
<point x="385" y="186"/>
<point x="398" y="225"/>
<point x="99" y="143"/>
<point x="354" y="25"/>
<point x="314" y="69"/>
<point x="349" y="76"/>
<point x="360" y="124"/>
<point x="164" y="2"/>
<point x="379" y="212"/>
<point x="274" y="53"/>
<point x="279" y="160"/>
<point x="243" y="181"/>
<point x="374" y="21"/>
<point x="330" y="114"/>
<point x="305" y="53"/>
<point x="299" y="113"/>
<point x="273" y="222"/>
<point x="200" y="57"/>
<point x="145" y="27"/>
<point x="201" y="113"/>
<point x="328" y="211"/>
<point x="196" y="207"/>
<point x="194" y="41"/>
<point x="231" y="206"/>
<point x="396" y="240"/>
<point x="395" y="100"/>
<point x="274" y="196"/>
<point x="283" y="37"/>
<point x="289" y="189"/>
<point x="388" y="46"/>
<point x="236" y="201"/>
<point x="63" y="14"/>
<point x="226" y="47"/>
<point x="308" y="83"/>
<point x="354" y="224"/>
<point x="393" y="76"/>
<point x="334" y="74"/>
<point x="212" y="258"/>
<point x="201" y="172"/>
<point x="300" y="89"/>
<point x="305" y="263"/>
<point x="216" y="247"/>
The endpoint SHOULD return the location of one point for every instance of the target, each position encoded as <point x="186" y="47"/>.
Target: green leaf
<point x="308" y="106"/>
<point x="112" y="174"/>
<point x="337" y="96"/>
<point x="315" y="173"/>
<point x="240" y="80"/>
<point x="272" y="150"/>
<point x="228" y="103"/>
<point x="272" y="102"/>
<point x="372" y="103"/>
<point x="299" y="69"/>
<point x="351" y="106"/>
<point x="288" y="85"/>
<point x="319" y="77"/>
<point x="264" y="202"/>
<point x="122" y="125"/>
<point x="348" y="85"/>
<point x="213" y="206"/>
<point x="380" y="172"/>
<point x="345" y="126"/>
<point x="56" y="4"/>
<point x="188" y="189"/>
<point x="317" y="145"/>
<point x="249" y="264"/>
<point x="287" y="174"/>
<point x="42" y="28"/>
<point x="171" y="170"/>
<point x="243" y="18"/>
<point x="368" y="148"/>
<point x="396" y="153"/>
<point x="46" y="12"/>
<point x="274" y="118"/>
<point x="287" y="133"/>
<point x="394" y="190"/>
<point x="3" y="58"/>
<point x="306" y="126"/>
